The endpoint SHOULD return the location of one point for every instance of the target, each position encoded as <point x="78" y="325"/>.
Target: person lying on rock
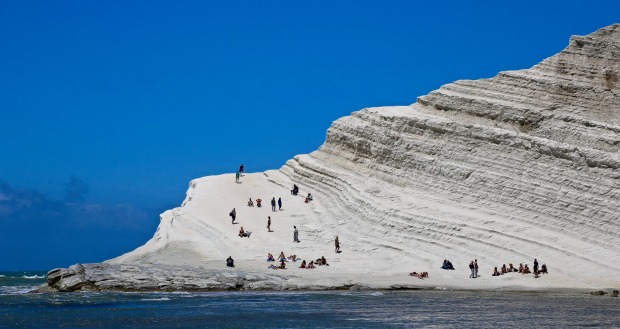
<point x="420" y="275"/>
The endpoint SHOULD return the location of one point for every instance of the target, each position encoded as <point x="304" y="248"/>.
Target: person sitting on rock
<point x="282" y="265"/>
<point x="308" y="198"/>
<point x="282" y="258"/>
<point x="511" y="268"/>
<point x="543" y="269"/>
<point x="230" y="262"/>
<point x="447" y="265"/>
<point x="250" y="203"/>
<point x="258" y="201"/>
<point x="520" y="267"/>
<point x="303" y="264"/>
<point x="243" y="233"/>
<point x="496" y="272"/>
<point x="270" y="258"/>
<point x="504" y="270"/>
<point x="526" y="270"/>
<point x="324" y="261"/>
<point x="310" y="265"/>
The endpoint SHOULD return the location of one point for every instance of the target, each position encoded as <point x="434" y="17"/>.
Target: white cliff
<point x="520" y="166"/>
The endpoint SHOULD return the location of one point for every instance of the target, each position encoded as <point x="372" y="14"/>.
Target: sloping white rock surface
<point x="520" y="166"/>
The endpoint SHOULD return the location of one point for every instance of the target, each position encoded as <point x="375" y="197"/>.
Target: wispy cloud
<point x="43" y="232"/>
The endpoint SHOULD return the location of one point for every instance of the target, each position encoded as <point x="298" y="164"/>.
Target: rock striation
<point x="520" y="166"/>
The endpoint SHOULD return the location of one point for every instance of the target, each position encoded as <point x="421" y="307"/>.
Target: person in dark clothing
<point x="237" y="177"/>
<point x="268" y="223"/>
<point x="273" y="204"/>
<point x="230" y="262"/>
<point x="535" y="267"/>
<point x="279" y="203"/>
<point x="295" y="189"/>
<point x="471" y="268"/>
<point x="337" y="243"/>
<point x="295" y="234"/>
<point x="475" y="268"/>
<point x="233" y="215"/>
<point x="241" y="169"/>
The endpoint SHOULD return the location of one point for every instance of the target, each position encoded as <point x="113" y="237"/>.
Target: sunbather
<point x="270" y="258"/>
<point x="311" y="265"/>
<point x="303" y="264"/>
<point x="496" y="272"/>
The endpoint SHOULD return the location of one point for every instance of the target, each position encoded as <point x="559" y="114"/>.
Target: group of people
<point x="318" y="262"/>
<point x="523" y="269"/>
<point x="243" y="233"/>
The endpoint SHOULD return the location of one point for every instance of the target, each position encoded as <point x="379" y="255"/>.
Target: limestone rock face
<point x="525" y="164"/>
<point x="520" y="166"/>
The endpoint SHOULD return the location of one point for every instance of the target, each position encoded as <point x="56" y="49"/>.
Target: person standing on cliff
<point x="475" y="268"/>
<point x="279" y="203"/>
<point x="535" y="267"/>
<point x="295" y="234"/>
<point x="237" y="177"/>
<point x="273" y="204"/>
<point x="337" y="243"/>
<point x="471" y="268"/>
<point x="268" y="223"/>
<point x="233" y="215"/>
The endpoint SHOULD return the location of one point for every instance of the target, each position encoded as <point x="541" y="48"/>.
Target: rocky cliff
<point x="520" y="166"/>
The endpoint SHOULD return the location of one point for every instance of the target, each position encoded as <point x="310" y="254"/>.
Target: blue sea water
<point x="333" y="309"/>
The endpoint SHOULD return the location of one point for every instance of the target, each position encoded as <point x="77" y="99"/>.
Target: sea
<point x="438" y="308"/>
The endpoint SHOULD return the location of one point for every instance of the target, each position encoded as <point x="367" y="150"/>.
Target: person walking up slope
<point x="273" y="204"/>
<point x="233" y="215"/>
<point x="237" y="177"/>
<point x="337" y="243"/>
<point x="279" y="204"/>
<point x="295" y="235"/>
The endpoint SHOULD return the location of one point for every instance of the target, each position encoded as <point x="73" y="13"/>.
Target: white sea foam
<point x="33" y="276"/>
<point x="155" y="299"/>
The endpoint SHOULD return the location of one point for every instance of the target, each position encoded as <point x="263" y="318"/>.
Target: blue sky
<point x="108" y="109"/>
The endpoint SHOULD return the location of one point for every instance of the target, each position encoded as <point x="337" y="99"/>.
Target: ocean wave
<point x="155" y="299"/>
<point x="15" y="290"/>
<point x="33" y="276"/>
